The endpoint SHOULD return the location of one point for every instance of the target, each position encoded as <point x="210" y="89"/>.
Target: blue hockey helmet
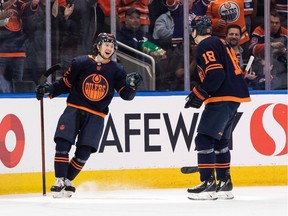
<point x="202" y="24"/>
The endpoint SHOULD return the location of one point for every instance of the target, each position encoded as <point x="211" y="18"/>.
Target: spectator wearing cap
<point x="132" y="35"/>
<point x="141" y="6"/>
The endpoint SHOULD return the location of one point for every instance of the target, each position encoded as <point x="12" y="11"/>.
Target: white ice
<point x="248" y="201"/>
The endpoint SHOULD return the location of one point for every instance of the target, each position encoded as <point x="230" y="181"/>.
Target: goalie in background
<point x="222" y="89"/>
<point x="90" y="82"/>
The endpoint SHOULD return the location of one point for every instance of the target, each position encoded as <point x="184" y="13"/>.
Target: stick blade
<point x="52" y="69"/>
<point x="189" y="169"/>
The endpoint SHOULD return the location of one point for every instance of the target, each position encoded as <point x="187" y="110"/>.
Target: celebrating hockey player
<point x="222" y="89"/>
<point x="91" y="82"/>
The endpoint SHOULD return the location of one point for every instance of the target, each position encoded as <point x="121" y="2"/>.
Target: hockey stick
<point x="189" y="169"/>
<point x="42" y="81"/>
<point x="250" y="61"/>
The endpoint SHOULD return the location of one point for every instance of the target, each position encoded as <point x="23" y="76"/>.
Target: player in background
<point x="222" y="89"/>
<point x="90" y="83"/>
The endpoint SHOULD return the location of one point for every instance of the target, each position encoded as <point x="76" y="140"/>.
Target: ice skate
<point x="224" y="188"/>
<point x="58" y="188"/>
<point x="205" y="191"/>
<point x="69" y="188"/>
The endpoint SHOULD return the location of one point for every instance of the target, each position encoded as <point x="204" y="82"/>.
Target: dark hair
<point x="275" y="13"/>
<point x="233" y="26"/>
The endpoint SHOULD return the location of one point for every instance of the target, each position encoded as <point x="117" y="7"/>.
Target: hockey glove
<point x="196" y="97"/>
<point x="134" y="79"/>
<point x="47" y="89"/>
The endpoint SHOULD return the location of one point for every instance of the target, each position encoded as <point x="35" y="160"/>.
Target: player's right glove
<point x="47" y="89"/>
<point x="134" y="79"/>
<point x="196" y="98"/>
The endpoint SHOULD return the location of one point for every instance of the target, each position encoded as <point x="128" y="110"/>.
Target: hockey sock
<point x="61" y="160"/>
<point x="82" y="154"/>
<point x="223" y="158"/>
<point x="206" y="156"/>
<point x="206" y="165"/>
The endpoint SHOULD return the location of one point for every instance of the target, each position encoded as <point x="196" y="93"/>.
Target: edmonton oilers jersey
<point x="91" y="85"/>
<point x="219" y="72"/>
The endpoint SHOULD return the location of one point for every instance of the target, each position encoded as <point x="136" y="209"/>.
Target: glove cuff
<point x="200" y="93"/>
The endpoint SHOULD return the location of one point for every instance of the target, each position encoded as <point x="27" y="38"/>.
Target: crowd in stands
<point x="154" y="27"/>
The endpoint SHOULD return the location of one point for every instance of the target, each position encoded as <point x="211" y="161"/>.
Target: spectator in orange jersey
<point x="103" y="15"/>
<point x="223" y="13"/>
<point x="278" y="42"/>
<point x="4" y="14"/>
<point x="140" y="5"/>
<point x="12" y="50"/>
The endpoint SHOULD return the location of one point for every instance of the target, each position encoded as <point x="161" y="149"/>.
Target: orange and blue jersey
<point x="11" y="35"/>
<point x="219" y="72"/>
<point x="91" y="85"/>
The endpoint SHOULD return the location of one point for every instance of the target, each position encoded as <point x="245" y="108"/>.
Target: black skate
<point x="205" y="191"/>
<point x="224" y="188"/>
<point x="62" y="188"/>
<point x="58" y="188"/>
<point x="69" y="188"/>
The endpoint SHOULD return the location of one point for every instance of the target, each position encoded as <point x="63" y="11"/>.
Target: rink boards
<point x="145" y="142"/>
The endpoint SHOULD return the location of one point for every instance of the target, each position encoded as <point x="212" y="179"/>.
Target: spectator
<point x="34" y="28"/>
<point x="4" y="14"/>
<point x="233" y="35"/>
<point x="169" y="31"/>
<point x="248" y="12"/>
<point x="12" y="50"/>
<point x="79" y="30"/>
<point x="141" y="6"/>
<point x="156" y="8"/>
<point x="282" y="8"/>
<point x="223" y="13"/>
<point x="278" y="42"/>
<point x="103" y="15"/>
<point x="132" y="35"/>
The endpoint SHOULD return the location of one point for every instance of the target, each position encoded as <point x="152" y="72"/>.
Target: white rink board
<point x="154" y="116"/>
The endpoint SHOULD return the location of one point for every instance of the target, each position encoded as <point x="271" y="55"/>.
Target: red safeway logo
<point x="11" y="123"/>
<point x="268" y="129"/>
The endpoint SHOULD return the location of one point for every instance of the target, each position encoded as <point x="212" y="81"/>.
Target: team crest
<point x="229" y="11"/>
<point x="95" y="87"/>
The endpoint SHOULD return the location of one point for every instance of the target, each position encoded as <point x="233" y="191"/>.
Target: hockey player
<point x="222" y="89"/>
<point x="90" y="81"/>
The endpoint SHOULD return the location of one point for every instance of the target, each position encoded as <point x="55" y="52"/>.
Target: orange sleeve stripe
<point x="67" y="82"/>
<point x="196" y="92"/>
<point x="213" y="67"/>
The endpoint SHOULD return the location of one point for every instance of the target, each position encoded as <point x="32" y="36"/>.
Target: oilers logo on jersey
<point x="229" y="11"/>
<point x="95" y="87"/>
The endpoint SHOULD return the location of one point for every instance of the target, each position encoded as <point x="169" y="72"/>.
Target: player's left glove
<point x="134" y="79"/>
<point x="196" y="97"/>
<point x="47" y="89"/>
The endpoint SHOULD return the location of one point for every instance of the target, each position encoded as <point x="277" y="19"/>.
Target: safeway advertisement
<point x="148" y="132"/>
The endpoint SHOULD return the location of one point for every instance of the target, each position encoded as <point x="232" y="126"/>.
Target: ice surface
<point x="248" y="201"/>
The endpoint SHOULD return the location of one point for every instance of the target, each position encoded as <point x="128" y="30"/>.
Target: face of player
<point x="233" y="37"/>
<point x="132" y="21"/>
<point x="195" y="36"/>
<point x="274" y="24"/>
<point x="106" y="50"/>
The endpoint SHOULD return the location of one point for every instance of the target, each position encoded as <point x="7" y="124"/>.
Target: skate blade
<point x="225" y="195"/>
<point x="202" y="196"/>
<point x="58" y="195"/>
<point x="68" y="194"/>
